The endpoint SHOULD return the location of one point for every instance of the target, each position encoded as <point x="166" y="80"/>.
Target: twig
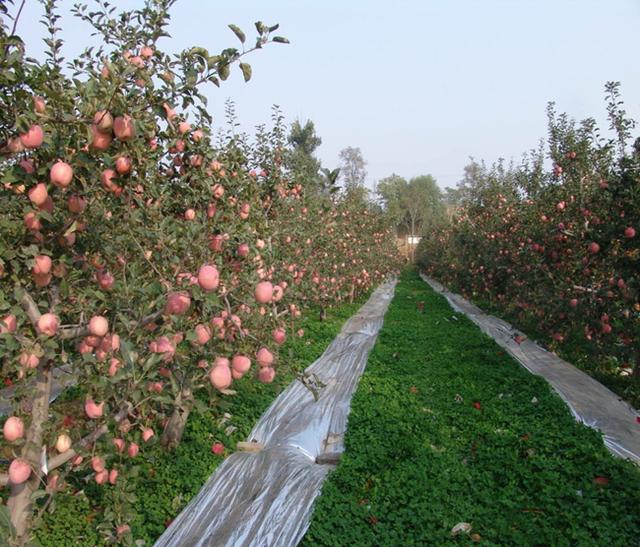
<point x="285" y="311"/>
<point x="252" y="337"/>
<point x="230" y="293"/>
<point x="162" y="278"/>
<point x="55" y="296"/>
<point x="15" y="21"/>
<point x="582" y="289"/>
<point x="312" y="383"/>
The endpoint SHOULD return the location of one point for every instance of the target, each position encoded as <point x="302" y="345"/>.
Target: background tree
<point x="479" y="181"/>
<point x="301" y="160"/>
<point x="353" y="167"/>
<point x="360" y="195"/>
<point x="389" y="190"/>
<point x="416" y="205"/>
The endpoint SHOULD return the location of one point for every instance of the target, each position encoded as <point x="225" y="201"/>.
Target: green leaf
<point x="152" y="361"/>
<point x="199" y="406"/>
<point x="223" y="71"/>
<point x="202" y="52"/>
<point x="246" y="71"/>
<point x="71" y="228"/>
<point x="260" y="27"/>
<point x="280" y="40"/>
<point x="127" y="354"/>
<point x="191" y="77"/>
<point x="236" y="30"/>
<point x="18" y="292"/>
<point x="5" y="522"/>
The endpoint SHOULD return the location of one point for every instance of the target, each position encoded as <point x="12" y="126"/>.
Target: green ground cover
<point x="446" y="428"/>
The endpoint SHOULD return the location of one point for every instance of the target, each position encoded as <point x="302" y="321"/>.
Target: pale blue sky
<point x="419" y="86"/>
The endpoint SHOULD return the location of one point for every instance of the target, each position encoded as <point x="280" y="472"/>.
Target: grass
<point x="445" y="428"/>
<point x="168" y="480"/>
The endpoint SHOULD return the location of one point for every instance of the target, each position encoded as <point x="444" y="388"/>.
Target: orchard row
<point x="148" y="261"/>
<point x="555" y="248"/>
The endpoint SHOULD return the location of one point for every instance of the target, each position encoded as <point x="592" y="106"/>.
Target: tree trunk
<point x="352" y="293"/>
<point x="20" y="504"/>
<point x="172" y="434"/>
<point x="413" y="246"/>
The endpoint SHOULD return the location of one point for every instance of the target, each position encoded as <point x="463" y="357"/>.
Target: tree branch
<point x="69" y="333"/>
<point x="15" y="21"/>
<point x="85" y="442"/>
<point x="29" y="306"/>
<point x="153" y="266"/>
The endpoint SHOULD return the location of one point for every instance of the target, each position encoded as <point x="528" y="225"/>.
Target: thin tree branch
<point x="85" y="442"/>
<point x="68" y="333"/>
<point x="29" y="306"/>
<point x="15" y="21"/>
<point x="153" y="266"/>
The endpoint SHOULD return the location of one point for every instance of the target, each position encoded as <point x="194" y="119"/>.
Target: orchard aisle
<point x="451" y="441"/>
<point x="266" y="497"/>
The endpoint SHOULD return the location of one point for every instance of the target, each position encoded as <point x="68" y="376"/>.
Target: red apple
<point x="32" y="138"/>
<point x="13" y="429"/>
<point x="123" y="165"/>
<point x="61" y="174"/>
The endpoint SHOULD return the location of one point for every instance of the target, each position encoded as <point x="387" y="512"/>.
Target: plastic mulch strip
<point x="265" y="496"/>
<point x="590" y="402"/>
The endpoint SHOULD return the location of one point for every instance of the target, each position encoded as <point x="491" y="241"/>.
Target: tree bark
<point x="172" y="434"/>
<point x="412" y="245"/>
<point x="323" y="314"/>
<point x="20" y="504"/>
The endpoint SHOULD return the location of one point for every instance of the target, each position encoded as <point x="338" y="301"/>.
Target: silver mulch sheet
<point x="265" y="498"/>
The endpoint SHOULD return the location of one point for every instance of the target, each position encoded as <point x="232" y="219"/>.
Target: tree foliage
<point x="304" y="141"/>
<point x="416" y="206"/>
<point x="352" y="167"/>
